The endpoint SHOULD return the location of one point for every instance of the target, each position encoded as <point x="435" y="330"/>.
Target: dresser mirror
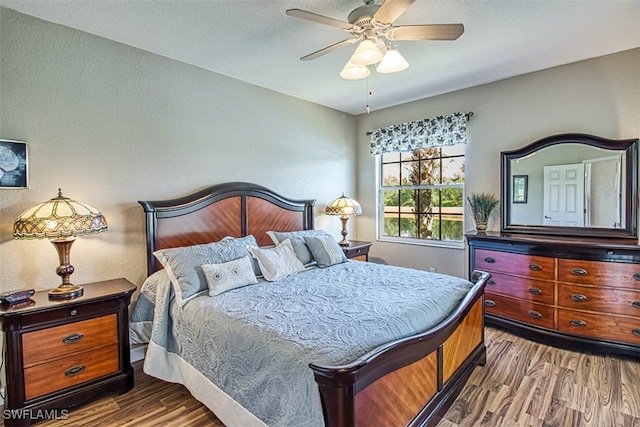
<point x="571" y="184"/>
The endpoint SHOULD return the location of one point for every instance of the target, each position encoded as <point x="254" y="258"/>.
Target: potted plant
<point x="482" y="206"/>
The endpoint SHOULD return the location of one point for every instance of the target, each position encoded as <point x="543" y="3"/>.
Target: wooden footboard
<point x="412" y="381"/>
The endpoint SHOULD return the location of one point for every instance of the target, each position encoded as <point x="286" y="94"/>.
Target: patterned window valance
<point x="435" y="132"/>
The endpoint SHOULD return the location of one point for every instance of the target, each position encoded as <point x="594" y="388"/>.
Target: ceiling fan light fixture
<point x="353" y="71"/>
<point x="367" y="53"/>
<point x="392" y="62"/>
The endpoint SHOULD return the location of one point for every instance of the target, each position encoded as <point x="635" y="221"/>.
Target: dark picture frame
<point x="520" y="188"/>
<point x="14" y="164"/>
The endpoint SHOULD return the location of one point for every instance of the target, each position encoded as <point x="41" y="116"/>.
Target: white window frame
<point x="409" y="240"/>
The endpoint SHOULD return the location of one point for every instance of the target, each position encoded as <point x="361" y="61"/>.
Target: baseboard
<point x="138" y="352"/>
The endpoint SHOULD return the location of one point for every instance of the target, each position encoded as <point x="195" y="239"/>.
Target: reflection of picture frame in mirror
<point x="13" y="164"/>
<point x="520" y="188"/>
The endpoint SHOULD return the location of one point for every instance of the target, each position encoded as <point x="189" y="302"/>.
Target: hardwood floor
<point x="523" y="384"/>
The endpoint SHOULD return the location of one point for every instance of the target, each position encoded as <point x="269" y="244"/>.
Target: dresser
<point x="64" y="353"/>
<point x="577" y="293"/>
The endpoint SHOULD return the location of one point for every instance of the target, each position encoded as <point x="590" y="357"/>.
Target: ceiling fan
<point x="370" y="24"/>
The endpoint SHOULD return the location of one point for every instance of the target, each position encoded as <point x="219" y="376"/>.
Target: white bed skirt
<point x="170" y="367"/>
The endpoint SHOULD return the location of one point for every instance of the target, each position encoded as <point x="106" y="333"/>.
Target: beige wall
<point x="600" y="96"/>
<point x="112" y="125"/>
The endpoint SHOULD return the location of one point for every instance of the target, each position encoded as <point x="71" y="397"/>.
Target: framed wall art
<point x="13" y="164"/>
<point x="520" y="188"/>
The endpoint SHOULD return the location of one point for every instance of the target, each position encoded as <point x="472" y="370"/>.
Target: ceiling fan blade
<point x="391" y="10"/>
<point x="321" y="19"/>
<point x="426" y="32"/>
<point x="328" y="49"/>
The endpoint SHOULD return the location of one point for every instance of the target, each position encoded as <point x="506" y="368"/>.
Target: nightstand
<point x="357" y="250"/>
<point x="64" y="353"/>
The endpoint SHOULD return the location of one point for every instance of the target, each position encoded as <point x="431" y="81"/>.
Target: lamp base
<point x="66" y="292"/>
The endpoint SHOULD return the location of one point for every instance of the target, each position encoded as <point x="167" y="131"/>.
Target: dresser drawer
<point x="521" y="287"/>
<point x="47" y="344"/>
<point x="69" y="371"/>
<point x="517" y="309"/>
<point x="603" y="300"/>
<point x="601" y="326"/>
<point x="610" y="274"/>
<point x="535" y="267"/>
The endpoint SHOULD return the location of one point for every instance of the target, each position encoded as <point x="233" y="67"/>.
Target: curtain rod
<point x="469" y="115"/>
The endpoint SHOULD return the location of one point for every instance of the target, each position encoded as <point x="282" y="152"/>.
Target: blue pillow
<point x="325" y="250"/>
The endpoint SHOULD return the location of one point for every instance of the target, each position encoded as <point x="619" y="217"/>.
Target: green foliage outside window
<point x="422" y="193"/>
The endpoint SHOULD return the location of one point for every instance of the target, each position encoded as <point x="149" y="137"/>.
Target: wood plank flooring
<point x="523" y="384"/>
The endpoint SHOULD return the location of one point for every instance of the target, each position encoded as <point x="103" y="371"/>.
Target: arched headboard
<point x="234" y="209"/>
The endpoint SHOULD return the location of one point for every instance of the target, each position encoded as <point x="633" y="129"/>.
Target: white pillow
<point x="297" y="242"/>
<point x="229" y="275"/>
<point x="278" y="262"/>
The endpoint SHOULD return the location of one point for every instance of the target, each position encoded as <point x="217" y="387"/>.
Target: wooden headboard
<point x="234" y="209"/>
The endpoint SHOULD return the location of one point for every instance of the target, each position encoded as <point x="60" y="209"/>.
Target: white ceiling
<point x="254" y="41"/>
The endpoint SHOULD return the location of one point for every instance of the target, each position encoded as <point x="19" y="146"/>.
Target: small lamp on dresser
<point x="60" y="220"/>
<point x="344" y="207"/>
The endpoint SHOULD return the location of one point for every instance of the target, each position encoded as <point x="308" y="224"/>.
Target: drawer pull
<point x="579" y="297"/>
<point x="535" y="291"/>
<point x="636" y="304"/>
<point x="492" y="282"/>
<point x="74" y="370"/>
<point x="578" y="323"/>
<point x="73" y="311"/>
<point x="490" y="260"/>
<point x="490" y="303"/>
<point x="636" y="276"/>
<point x="535" y="267"/>
<point x="73" y="338"/>
<point x="534" y="314"/>
<point x="578" y="271"/>
<point x="636" y="332"/>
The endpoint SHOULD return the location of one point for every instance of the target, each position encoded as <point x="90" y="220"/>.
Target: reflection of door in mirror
<point x="603" y="192"/>
<point x="563" y="203"/>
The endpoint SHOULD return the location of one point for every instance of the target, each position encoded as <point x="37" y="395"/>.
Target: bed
<point x="254" y="358"/>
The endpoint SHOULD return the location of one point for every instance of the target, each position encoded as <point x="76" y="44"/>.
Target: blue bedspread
<point x="255" y="343"/>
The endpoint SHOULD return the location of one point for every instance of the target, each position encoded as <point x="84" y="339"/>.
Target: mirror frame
<point x="630" y="146"/>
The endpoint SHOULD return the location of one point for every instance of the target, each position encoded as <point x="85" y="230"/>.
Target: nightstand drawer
<point x="47" y="344"/>
<point x="69" y="371"/>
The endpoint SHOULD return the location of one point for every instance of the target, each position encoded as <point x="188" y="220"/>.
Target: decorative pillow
<point x="184" y="264"/>
<point x="278" y="262"/>
<point x="229" y="275"/>
<point x="325" y="250"/>
<point x="297" y="241"/>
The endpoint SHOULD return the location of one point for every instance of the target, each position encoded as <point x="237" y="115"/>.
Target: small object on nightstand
<point x="15" y="296"/>
<point x="357" y="250"/>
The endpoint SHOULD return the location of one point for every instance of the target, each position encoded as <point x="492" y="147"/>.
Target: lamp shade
<point x="352" y="71"/>
<point x="392" y="62"/>
<point x="367" y="53"/>
<point x="343" y="206"/>
<point x="59" y="217"/>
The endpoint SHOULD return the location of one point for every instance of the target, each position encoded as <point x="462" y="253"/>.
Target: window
<point x="420" y="195"/>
